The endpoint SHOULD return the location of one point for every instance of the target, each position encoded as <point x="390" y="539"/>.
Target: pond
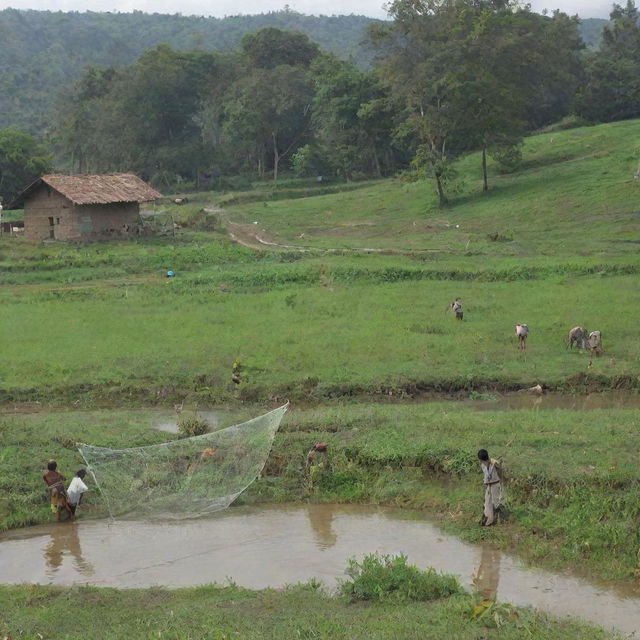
<point x="270" y="546"/>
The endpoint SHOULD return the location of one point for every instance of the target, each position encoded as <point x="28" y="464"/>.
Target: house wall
<point x="72" y="222"/>
<point x="104" y="219"/>
<point x="42" y="204"/>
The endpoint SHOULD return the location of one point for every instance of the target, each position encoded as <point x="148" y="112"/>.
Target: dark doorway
<point x="52" y="229"/>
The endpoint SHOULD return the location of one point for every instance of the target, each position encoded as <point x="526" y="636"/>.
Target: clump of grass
<point x="192" y="425"/>
<point x="384" y="577"/>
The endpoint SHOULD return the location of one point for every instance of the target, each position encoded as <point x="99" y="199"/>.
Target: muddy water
<point x="524" y="400"/>
<point x="276" y="545"/>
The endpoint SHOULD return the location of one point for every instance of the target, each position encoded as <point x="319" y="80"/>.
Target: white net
<point x="184" y="478"/>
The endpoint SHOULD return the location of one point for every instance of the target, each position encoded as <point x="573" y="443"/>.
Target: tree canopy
<point x="22" y="160"/>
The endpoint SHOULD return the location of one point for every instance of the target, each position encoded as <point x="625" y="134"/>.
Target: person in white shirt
<point x="492" y="481"/>
<point x="76" y="489"/>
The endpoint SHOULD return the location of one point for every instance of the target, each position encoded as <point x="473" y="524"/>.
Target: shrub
<point x="192" y="425"/>
<point x="383" y="577"/>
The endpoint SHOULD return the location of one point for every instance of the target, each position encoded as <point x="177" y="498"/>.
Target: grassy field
<point x="100" y="323"/>
<point x="352" y="330"/>
<point x="231" y="613"/>
<point x="574" y="195"/>
<point x="166" y="340"/>
<point x="573" y="491"/>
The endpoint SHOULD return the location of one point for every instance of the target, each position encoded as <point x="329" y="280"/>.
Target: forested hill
<point x="42" y="51"/>
<point x="591" y="30"/>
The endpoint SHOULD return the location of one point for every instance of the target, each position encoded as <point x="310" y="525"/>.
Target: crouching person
<point x="76" y="490"/>
<point x="55" y="484"/>
<point x="492" y="481"/>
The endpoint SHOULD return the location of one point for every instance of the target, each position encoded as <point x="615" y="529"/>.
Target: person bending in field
<point x="55" y="483"/>
<point x="76" y="490"/>
<point x="492" y="487"/>
<point x="456" y="307"/>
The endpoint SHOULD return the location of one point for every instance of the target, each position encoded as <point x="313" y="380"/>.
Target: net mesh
<point x="184" y="478"/>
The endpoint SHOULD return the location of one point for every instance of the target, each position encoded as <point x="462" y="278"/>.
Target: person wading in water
<point x="55" y="483"/>
<point x="492" y="487"/>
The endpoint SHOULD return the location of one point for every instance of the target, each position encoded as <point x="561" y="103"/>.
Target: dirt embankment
<point x="306" y="391"/>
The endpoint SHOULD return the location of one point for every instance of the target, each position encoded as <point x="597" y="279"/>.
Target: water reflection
<point x="487" y="576"/>
<point x="65" y="541"/>
<point x="272" y="546"/>
<point x="321" y="519"/>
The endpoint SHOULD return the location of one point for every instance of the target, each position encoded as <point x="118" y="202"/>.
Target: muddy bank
<point x="278" y="545"/>
<point x="308" y="391"/>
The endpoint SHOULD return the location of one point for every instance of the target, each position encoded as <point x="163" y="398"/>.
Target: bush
<point x="192" y="425"/>
<point x="383" y="577"/>
<point x="508" y="157"/>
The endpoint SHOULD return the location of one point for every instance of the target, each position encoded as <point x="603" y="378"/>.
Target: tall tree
<point x="269" y="47"/>
<point x="419" y="54"/>
<point x="350" y="119"/>
<point x="612" y="87"/>
<point x="466" y="72"/>
<point x="267" y="115"/>
<point x="22" y="159"/>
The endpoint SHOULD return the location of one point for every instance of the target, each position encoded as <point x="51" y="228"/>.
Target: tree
<point x="267" y="116"/>
<point x="466" y="72"/>
<point x="143" y="117"/>
<point x="419" y="53"/>
<point x="22" y="160"/>
<point x="350" y="119"/>
<point x="269" y="47"/>
<point x="612" y="87"/>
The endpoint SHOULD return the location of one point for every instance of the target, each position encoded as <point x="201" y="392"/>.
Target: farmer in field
<point x="456" y="307"/>
<point x="55" y="483"/>
<point x="492" y="487"/>
<point x="76" y="489"/>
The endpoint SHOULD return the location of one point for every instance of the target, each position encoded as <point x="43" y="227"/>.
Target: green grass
<point x="553" y="245"/>
<point x="300" y="339"/>
<point x="575" y="195"/>
<point x="572" y="475"/>
<point x="231" y="613"/>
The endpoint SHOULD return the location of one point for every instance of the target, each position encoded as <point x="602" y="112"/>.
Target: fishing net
<point x="184" y="478"/>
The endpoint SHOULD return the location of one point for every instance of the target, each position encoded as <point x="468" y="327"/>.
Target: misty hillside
<point x="42" y="51"/>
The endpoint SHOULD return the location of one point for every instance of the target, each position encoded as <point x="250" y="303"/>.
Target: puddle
<point x="258" y="547"/>
<point x="524" y="400"/>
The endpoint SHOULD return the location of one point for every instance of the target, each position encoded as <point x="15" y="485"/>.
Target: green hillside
<point x="568" y="220"/>
<point x="575" y="196"/>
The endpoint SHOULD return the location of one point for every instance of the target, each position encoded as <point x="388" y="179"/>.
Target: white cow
<point x="522" y="331"/>
<point x="595" y="342"/>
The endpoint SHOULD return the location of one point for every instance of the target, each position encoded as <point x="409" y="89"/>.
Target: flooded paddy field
<point x="272" y="546"/>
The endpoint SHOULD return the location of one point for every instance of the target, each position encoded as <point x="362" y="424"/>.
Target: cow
<point x="579" y="336"/>
<point x="522" y="331"/>
<point x="595" y="343"/>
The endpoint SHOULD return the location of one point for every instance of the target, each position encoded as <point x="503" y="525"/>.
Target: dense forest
<point x="41" y="51"/>
<point x="447" y="77"/>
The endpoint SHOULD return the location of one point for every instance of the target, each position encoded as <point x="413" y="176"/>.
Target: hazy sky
<point x="585" y="8"/>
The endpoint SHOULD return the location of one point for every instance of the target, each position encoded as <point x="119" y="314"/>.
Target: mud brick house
<point x="62" y="207"/>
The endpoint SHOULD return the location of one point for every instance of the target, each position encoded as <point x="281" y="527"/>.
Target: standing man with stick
<point x="492" y="487"/>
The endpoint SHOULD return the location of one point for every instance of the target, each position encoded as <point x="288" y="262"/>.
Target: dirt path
<point x="248" y="235"/>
